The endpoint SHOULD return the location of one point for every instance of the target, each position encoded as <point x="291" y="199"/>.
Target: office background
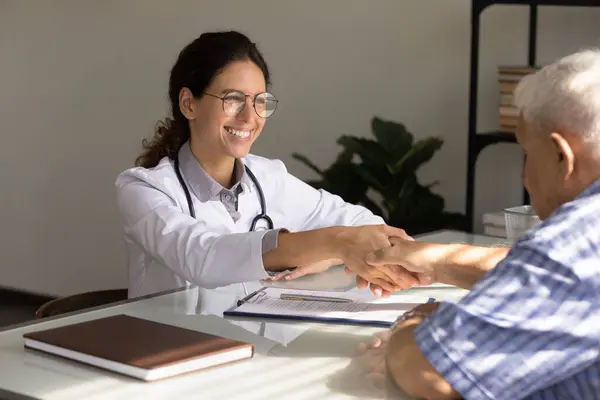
<point x="83" y="82"/>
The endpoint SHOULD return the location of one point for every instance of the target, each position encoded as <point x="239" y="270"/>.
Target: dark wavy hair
<point x="196" y="67"/>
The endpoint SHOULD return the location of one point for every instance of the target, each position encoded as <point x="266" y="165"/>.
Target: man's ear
<point x="187" y="106"/>
<point x="564" y="153"/>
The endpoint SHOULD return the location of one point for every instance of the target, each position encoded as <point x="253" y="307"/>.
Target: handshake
<point x="386" y="259"/>
<point x="382" y="257"/>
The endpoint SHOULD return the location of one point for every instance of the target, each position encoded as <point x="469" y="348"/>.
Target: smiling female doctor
<point x="198" y="209"/>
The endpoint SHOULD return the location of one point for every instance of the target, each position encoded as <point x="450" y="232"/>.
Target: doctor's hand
<point x="314" y="268"/>
<point x="358" y="242"/>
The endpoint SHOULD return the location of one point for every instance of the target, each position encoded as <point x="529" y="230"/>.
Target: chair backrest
<point x="80" y="301"/>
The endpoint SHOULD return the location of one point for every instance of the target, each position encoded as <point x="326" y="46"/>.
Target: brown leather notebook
<point x="140" y="348"/>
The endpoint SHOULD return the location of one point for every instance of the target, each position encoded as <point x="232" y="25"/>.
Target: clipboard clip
<point x="251" y="295"/>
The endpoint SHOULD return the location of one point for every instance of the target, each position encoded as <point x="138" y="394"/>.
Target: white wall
<point x="82" y="82"/>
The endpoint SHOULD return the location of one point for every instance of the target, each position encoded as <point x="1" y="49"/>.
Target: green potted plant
<point x="388" y="165"/>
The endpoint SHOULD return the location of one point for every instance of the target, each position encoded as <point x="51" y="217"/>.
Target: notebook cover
<point x="135" y="341"/>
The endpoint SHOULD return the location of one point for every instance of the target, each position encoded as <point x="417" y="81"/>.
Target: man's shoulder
<point x="573" y="226"/>
<point x="565" y="246"/>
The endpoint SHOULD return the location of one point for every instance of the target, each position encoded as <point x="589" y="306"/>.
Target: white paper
<point x="364" y="307"/>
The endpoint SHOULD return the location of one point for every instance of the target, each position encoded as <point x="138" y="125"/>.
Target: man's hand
<point x="358" y="242"/>
<point x="403" y="254"/>
<point x="376" y="289"/>
<point x="314" y="268"/>
<point x="370" y="358"/>
<point x="381" y="339"/>
<point x="371" y="354"/>
<point x="398" y="257"/>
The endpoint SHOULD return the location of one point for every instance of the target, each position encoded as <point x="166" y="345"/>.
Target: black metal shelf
<point x="479" y="141"/>
<point x="484" y="139"/>
<point x="482" y="4"/>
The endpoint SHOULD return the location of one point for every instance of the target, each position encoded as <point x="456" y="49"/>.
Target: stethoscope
<point x="261" y="196"/>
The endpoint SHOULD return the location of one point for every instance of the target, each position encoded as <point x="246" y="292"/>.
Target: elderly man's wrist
<point x="412" y="317"/>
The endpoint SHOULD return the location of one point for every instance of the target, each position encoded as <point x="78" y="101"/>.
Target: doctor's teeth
<point x="242" y="134"/>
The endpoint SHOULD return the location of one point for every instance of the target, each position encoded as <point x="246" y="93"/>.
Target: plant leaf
<point x="343" y="180"/>
<point x="402" y="199"/>
<point x="420" y="153"/>
<point x="370" y="178"/>
<point x="369" y="150"/>
<point x="432" y="184"/>
<point x="371" y="154"/>
<point x="304" y="160"/>
<point x="392" y="136"/>
<point x="345" y="156"/>
<point x="372" y="206"/>
<point x="388" y="166"/>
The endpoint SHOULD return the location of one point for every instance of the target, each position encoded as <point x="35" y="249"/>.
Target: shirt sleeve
<point x="529" y="323"/>
<point x="270" y="240"/>
<point x="185" y="245"/>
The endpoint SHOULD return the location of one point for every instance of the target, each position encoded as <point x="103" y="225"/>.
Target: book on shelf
<point x="508" y="123"/>
<point x="508" y="80"/>
<point x="496" y="218"/>
<point x="514" y="73"/>
<point x="137" y="347"/>
<point x="507" y="129"/>
<point x="494" y="224"/>
<point x="495" y="231"/>
<point x="508" y="87"/>
<point x="506" y="100"/>
<point x="508" y="111"/>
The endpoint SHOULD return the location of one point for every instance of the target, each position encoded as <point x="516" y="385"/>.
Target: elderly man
<point x="530" y="326"/>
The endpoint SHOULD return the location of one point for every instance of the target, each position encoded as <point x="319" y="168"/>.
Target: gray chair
<point x="80" y="301"/>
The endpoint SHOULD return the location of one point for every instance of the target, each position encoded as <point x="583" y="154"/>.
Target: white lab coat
<point x="169" y="249"/>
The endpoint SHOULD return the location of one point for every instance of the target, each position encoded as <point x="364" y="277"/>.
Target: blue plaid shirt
<point x="530" y="329"/>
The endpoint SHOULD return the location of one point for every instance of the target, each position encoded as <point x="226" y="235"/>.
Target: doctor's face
<point x="215" y="128"/>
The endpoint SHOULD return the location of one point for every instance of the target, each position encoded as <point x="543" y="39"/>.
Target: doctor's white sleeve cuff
<point x="269" y="240"/>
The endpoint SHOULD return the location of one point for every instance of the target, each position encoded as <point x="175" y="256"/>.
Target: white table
<point x="293" y="360"/>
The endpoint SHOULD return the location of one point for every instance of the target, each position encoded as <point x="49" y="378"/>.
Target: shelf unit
<point x="478" y="141"/>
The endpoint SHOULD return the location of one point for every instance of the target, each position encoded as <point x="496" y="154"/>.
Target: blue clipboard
<point x="233" y="312"/>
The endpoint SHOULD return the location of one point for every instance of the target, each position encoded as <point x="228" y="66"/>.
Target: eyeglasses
<point x="234" y="102"/>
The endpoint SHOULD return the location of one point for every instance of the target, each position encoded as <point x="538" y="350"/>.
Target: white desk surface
<point x="293" y="360"/>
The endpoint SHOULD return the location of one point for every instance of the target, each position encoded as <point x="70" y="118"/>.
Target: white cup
<point x="519" y="220"/>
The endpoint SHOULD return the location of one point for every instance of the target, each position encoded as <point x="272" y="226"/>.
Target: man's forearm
<point x="303" y="248"/>
<point x="463" y="265"/>
<point x="457" y="264"/>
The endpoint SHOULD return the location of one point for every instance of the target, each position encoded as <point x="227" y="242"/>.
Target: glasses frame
<point x="222" y="98"/>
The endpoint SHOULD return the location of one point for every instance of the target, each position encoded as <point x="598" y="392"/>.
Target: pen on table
<point x="251" y="295"/>
<point x="306" y="297"/>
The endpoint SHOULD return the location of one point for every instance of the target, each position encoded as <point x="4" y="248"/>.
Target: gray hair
<point x="563" y="96"/>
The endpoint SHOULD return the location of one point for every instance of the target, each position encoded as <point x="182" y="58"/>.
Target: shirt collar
<point x="593" y="189"/>
<point x="203" y="185"/>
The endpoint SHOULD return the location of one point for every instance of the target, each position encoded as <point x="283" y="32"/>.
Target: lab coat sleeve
<point x="185" y="245"/>
<point x="314" y="209"/>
